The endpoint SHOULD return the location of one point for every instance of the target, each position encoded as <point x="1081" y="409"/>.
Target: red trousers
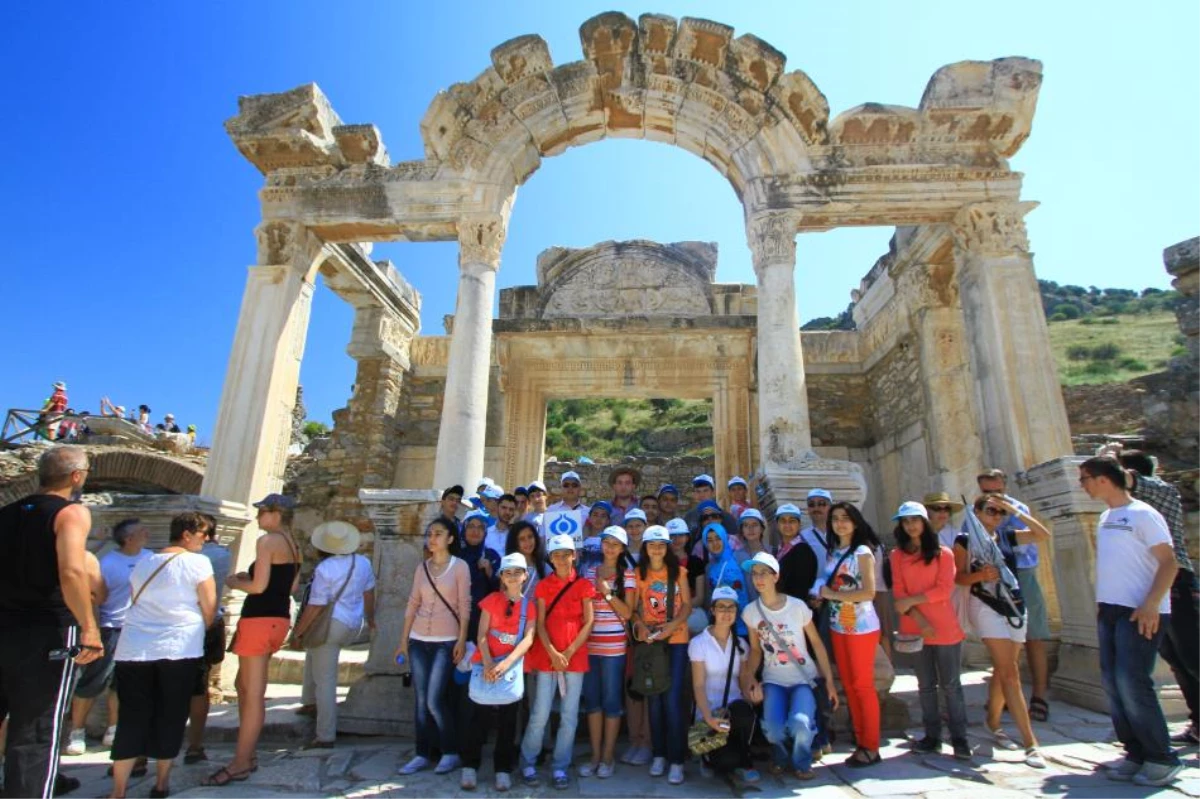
<point x="855" y="656"/>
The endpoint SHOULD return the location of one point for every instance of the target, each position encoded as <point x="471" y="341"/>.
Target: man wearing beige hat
<point x="345" y="580"/>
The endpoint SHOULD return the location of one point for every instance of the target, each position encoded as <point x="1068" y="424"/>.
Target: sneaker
<point x="530" y="776"/>
<point x="628" y="756"/>
<point x="747" y="775"/>
<point x="503" y="780"/>
<point x="1157" y="774"/>
<point x="1033" y="758"/>
<point x="1188" y="737"/>
<point x="468" y="780"/>
<point x="418" y="763"/>
<point x="676" y="775"/>
<point x="927" y="746"/>
<point x="604" y="771"/>
<point x="705" y="771"/>
<point x="77" y="742"/>
<point x="1123" y="771"/>
<point x="640" y="756"/>
<point x="962" y="749"/>
<point x="587" y="770"/>
<point x="658" y="767"/>
<point x="561" y="780"/>
<point x="63" y="785"/>
<point x="447" y="764"/>
<point x="109" y="736"/>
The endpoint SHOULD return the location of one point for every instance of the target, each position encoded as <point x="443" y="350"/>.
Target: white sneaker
<point x="586" y="770"/>
<point x="447" y="764"/>
<point x="604" y="771"/>
<point x="418" y="763"/>
<point x="641" y="756"/>
<point x="658" y="767"/>
<point x="676" y="775"/>
<point x="503" y="780"/>
<point x="1033" y="758"/>
<point x="77" y="742"/>
<point x="109" y="735"/>
<point x="468" y="780"/>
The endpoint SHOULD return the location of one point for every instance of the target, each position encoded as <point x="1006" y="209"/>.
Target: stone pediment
<point x="617" y="279"/>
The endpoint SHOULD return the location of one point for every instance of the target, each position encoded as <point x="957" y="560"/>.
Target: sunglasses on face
<point x="995" y="512"/>
<point x="570" y="485"/>
<point x="939" y="508"/>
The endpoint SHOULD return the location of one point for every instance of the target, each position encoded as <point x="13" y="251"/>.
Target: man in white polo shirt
<point x="1135" y="567"/>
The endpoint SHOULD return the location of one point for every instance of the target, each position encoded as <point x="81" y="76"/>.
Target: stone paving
<point x="1074" y="741"/>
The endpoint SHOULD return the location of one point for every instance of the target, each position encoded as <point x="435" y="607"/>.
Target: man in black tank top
<point x="47" y="626"/>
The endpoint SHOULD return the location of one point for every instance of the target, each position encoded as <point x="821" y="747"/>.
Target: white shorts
<point x="990" y="624"/>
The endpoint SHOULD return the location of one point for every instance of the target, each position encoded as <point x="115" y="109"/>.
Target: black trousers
<point x="155" y="698"/>
<point x="736" y="752"/>
<point x="1180" y="646"/>
<point x="37" y="693"/>
<point x="503" y="718"/>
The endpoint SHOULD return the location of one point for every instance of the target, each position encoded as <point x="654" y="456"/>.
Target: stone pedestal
<point x="379" y="703"/>
<point x="1052" y="489"/>
<point x="791" y="483"/>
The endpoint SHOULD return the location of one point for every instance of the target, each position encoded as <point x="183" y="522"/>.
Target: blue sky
<point x="129" y="213"/>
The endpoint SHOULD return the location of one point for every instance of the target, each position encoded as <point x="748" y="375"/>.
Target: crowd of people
<point x="57" y="421"/>
<point x="698" y="634"/>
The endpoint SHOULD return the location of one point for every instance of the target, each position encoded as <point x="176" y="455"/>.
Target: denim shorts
<point x="604" y="686"/>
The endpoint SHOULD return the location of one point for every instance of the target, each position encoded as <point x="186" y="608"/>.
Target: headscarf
<point x="723" y="569"/>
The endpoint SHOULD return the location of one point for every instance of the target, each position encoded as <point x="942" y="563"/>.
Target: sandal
<point x="861" y="758"/>
<point x="194" y="755"/>
<point x="1038" y="709"/>
<point x="223" y="776"/>
<point x="1003" y="740"/>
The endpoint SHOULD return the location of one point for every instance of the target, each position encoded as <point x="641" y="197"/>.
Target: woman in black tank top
<point x="262" y="628"/>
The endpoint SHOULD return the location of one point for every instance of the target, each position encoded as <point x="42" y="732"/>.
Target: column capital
<point x="480" y="239"/>
<point x="772" y="238"/>
<point x="282" y="242"/>
<point x="379" y="332"/>
<point x="992" y="228"/>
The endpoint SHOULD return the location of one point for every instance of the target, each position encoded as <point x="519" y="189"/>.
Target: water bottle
<point x="400" y="659"/>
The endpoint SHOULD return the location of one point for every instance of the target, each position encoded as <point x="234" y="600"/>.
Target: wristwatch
<point x="609" y="596"/>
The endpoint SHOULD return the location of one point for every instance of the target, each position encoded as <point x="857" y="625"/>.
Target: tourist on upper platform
<point x="623" y="480"/>
<point x="1025" y="555"/>
<point x="507" y="629"/>
<point x="557" y="661"/>
<point x="848" y="585"/>
<point x="434" y="639"/>
<point x="52" y="410"/>
<point x="739" y="496"/>
<point x="167" y="425"/>
<point x="661" y="612"/>
<point x="523" y="540"/>
<point x="636" y="522"/>
<point x="668" y="503"/>
<point x="705" y="489"/>
<point x="521" y="494"/>
<point x="782" y="636"/>
<point x="346" y="580"/>
<point x="998" y="618"/>
<point x="143" y="418"/>
<point x="173" y="601"/>
<point x="497" y="532"/>
<point x="483" y="564"/>
<point x="108" y="409"/>
<point x="263" y="627"/>
<point x="649" y="505"/>
<point x="718" y="655"/>
<point x="923" y="583"/>
<point x="603" y="698"/>
<point x="1179" y="647"/>
<point x="1135" y="569"/>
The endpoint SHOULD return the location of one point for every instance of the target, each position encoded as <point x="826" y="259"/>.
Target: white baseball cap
<point x="821" y="493"/>
<point x="570" y="476"/>
<point x="764" y="558"/>
<point x="723" y="592"/>
<point x="674" y="527"/>
<point x="558" y="542"/>
<point x="656" y="532"/>
<point x="537" y="485"/>
<point x="514" y="561"/>
<point x="911" y="509"/>
<point x="788" y="509"/>
<point x="703" y="479"/>
<point x="635" y="513"/>
<point x="616" y="532"/>
<point x="736" y="481"/>
<point x="752" y="513"/>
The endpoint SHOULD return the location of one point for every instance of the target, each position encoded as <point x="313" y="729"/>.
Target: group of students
<point x="607" y="621"/>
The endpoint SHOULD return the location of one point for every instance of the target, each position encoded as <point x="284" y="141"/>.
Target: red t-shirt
<point x="503" y="625"/>
<point x="563" y="624"/>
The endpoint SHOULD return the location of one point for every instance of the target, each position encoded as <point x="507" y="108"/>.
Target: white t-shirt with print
<point x="165" y="623"/>
<point x="779" y="667"/>
<point x="1125" y="567"/>
<point x="849" y="618"/>
<point x="706" y="649"/>
<point x="328" y="578"/>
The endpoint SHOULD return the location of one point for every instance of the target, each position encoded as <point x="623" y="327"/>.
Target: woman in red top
<point x="558" y="659"/>
<point x="501" y="616"/>
<point x="922" y="584"/>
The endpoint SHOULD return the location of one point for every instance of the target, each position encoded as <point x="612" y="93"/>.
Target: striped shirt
<point x="1164" y="498"/>
<point x="608" y="630"/>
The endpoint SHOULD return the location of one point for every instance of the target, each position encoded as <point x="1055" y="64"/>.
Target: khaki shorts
<point x="260" y="636"/>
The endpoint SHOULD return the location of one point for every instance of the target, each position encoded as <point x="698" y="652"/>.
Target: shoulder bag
<point x="318" y="632"/>
<point x="510" y="686"/>
<point x="702" y="738"/>
<point x="433" y="585"/>
<point x="651" y="662"/>
<point x="150" y="579"/>
<point x="907" y="643"/>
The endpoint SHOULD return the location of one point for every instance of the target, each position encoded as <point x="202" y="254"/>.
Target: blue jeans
<point x="545" y="688"/>
<point x="1126" y="668"/>
<point x="668" y="733"/>
<point x="604" y="686"/>
<point x="939" y="668"/>
<point x="432" y="662"/>
<point x="790" y="713"/>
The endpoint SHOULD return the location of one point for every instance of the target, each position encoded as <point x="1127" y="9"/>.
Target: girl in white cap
<point x="507" y="625"/>
<point x="558" y="660"/>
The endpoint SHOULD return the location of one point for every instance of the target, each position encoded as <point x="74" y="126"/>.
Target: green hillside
<point x="1112" y="349"/>
<point x="609" y="429"/>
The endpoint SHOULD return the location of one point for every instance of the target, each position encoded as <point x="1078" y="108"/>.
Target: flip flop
<point x="1038" y="709"/>
<point x="223" y="776"/>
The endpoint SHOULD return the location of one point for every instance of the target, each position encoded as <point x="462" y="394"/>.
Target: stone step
<point x="287" y="666"/>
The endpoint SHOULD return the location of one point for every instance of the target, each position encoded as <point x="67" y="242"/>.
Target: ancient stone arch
<point x="125" y="470"/>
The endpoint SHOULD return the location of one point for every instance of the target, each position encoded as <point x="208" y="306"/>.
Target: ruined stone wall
<point x="897" y="393"/>
<point x="838" y="407"/>
<point x="655" y="472"/>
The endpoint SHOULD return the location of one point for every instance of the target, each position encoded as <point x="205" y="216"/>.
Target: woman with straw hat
<point x="346" y="581"/>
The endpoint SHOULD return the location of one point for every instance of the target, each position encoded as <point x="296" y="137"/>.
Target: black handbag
<point x="651" y="661"/>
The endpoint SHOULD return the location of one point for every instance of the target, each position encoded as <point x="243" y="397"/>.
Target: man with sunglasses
<point x="572" y="491"/>
<point x="818" y="535"/>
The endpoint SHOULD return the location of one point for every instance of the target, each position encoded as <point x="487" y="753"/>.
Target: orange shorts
<point x="260" y="636"/>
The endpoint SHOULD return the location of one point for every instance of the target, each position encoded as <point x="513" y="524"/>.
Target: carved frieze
<point x="772" y="238"/>
<point x="992" y="228"/>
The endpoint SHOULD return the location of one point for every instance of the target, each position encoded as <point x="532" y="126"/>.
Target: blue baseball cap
<point x="708" y="504"/>
<point x="667" y="488"/>
<point x="602" y="505"/>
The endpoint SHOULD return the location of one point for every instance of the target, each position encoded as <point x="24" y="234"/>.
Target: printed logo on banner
<point x="566" y="522"/>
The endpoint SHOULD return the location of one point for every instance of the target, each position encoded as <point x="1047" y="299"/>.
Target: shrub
<point x="1087" y="320"/>
<point x="1099" y="368"/>
<point x="1132" y="365"/>
<point x="1105" y="352"/>
<point x="1068" y="310"/>
<point x="1109" y="320"/>
<point x="1057" y="317"/>
<point x="314" y="429"/>
<point x="618" y="414"/>
<point x="1079" y="352"/>
<point x="1179" y="352"/>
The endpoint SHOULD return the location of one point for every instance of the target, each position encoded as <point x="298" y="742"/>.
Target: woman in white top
<point x="347" y="581"/>
<point x="174" y="600"/>
<point x="717" y="655"/>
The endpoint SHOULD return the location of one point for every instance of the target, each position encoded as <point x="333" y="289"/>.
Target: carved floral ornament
<point x="772" y="238"/>
<point x="992" y="228"/>
<point x="286" y="243"/>
<point x="480" y="239"/>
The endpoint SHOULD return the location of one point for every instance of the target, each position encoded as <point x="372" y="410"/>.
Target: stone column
<point x="1024" y="419"/>
<point x="460" y="446"/>
<point x="254" y="423"/>
<point x="782" y="398"/>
